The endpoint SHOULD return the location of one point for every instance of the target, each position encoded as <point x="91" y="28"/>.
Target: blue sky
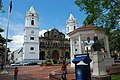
<point x="52" y="14"/>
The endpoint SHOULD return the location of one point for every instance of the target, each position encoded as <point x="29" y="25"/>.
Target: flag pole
<point x="9" y="11"/>
<point x="7" y="37"/>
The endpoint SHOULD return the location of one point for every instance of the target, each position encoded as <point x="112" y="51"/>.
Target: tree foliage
<point x="1" y="6"/>
<point x="114" y="40"/>
<point x="1" y="30"/>
<point x="105" y="13"/>
<point x="2" y="39"/>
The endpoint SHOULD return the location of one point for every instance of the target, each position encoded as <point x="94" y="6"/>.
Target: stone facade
<point x="54" y="46"/>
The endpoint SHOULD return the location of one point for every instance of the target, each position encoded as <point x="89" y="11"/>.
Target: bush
<point x="48" y="62"/>
<point x="58" y="62"/>
<point x="32" y="63"/>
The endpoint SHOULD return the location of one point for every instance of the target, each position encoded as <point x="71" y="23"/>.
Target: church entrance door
<point x="42" y="55"/>
<point x="55" y="56"/>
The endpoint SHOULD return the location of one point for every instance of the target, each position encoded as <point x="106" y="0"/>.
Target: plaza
<point x="38" y="72"/>
<point x="35" y="72"/>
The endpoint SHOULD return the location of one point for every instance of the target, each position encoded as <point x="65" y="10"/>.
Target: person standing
<point x="2" y="64"/>
<point x="15" y="73"/>
<point x="64" y="70"/>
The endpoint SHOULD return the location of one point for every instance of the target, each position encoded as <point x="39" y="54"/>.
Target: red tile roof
<point x="88" y="27"/>
<point x="83" y="28"/>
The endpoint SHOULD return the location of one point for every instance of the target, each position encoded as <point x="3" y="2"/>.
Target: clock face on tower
<point x="32" y="32"/>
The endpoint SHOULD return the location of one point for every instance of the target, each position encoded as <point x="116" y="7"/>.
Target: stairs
<point x="114" y="69"/>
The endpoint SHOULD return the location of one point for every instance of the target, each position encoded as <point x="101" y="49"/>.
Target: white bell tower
<point x="31" y="36"/>
<point x="71" y="24"/>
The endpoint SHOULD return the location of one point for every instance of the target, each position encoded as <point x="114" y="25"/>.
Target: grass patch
<point x="115" y="77"/>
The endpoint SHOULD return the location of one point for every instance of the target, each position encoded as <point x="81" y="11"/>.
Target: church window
<point x="31" y="48"/>
<point x="75" y="42"/>
<point x="32" y="22"/>
<point x="75" y="49"/>
<point x="32" y="32"/>
<point x="74" y="27"/>
<point x="32" y="14"/>
<point x="31" y="38"/>
<point x="67" y="29"/>
<point x="55" y="36"/>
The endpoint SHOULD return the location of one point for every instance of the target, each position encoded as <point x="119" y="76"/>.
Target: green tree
<point x="105" y="13"/>
<point x="2" y="39"/>
<point x="114" y="39"/>
<point x="1" y="6"/>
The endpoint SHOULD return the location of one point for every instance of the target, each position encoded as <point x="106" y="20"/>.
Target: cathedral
<point x="53" y="45"/>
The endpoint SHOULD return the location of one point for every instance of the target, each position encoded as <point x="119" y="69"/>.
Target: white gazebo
<point x="79" y="36"/>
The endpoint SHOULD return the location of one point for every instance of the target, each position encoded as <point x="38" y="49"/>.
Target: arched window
<point x="32" y="14"/>
<point x="67" y="29"/>
<point x="74" y="27"/>
<point x="32" y="22"/>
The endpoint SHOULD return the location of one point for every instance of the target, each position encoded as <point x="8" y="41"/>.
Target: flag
<point x="10" y="7"/>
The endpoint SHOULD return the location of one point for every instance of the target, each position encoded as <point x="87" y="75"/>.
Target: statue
<point x="96" y="44"/>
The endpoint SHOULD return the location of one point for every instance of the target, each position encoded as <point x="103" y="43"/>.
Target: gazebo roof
<point x="88" y="30"/>
<point x="85" y="28"/>
<point x="88" y="27"/>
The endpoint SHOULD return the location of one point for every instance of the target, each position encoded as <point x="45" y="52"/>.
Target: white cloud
<point x="16" y="43"/>
<point x="41" y="33"/>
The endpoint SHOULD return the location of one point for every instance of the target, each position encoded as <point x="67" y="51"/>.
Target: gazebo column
<point x="106" y="42"/>
<point x="80" y="45"/>
<point x="72" y="51"/>
<point x="83" y="47"/>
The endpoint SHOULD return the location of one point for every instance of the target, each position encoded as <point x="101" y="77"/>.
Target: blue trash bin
<point x="82" y="66"/>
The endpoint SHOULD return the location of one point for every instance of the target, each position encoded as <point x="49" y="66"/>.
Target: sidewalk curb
<point x="4" y="72"/>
